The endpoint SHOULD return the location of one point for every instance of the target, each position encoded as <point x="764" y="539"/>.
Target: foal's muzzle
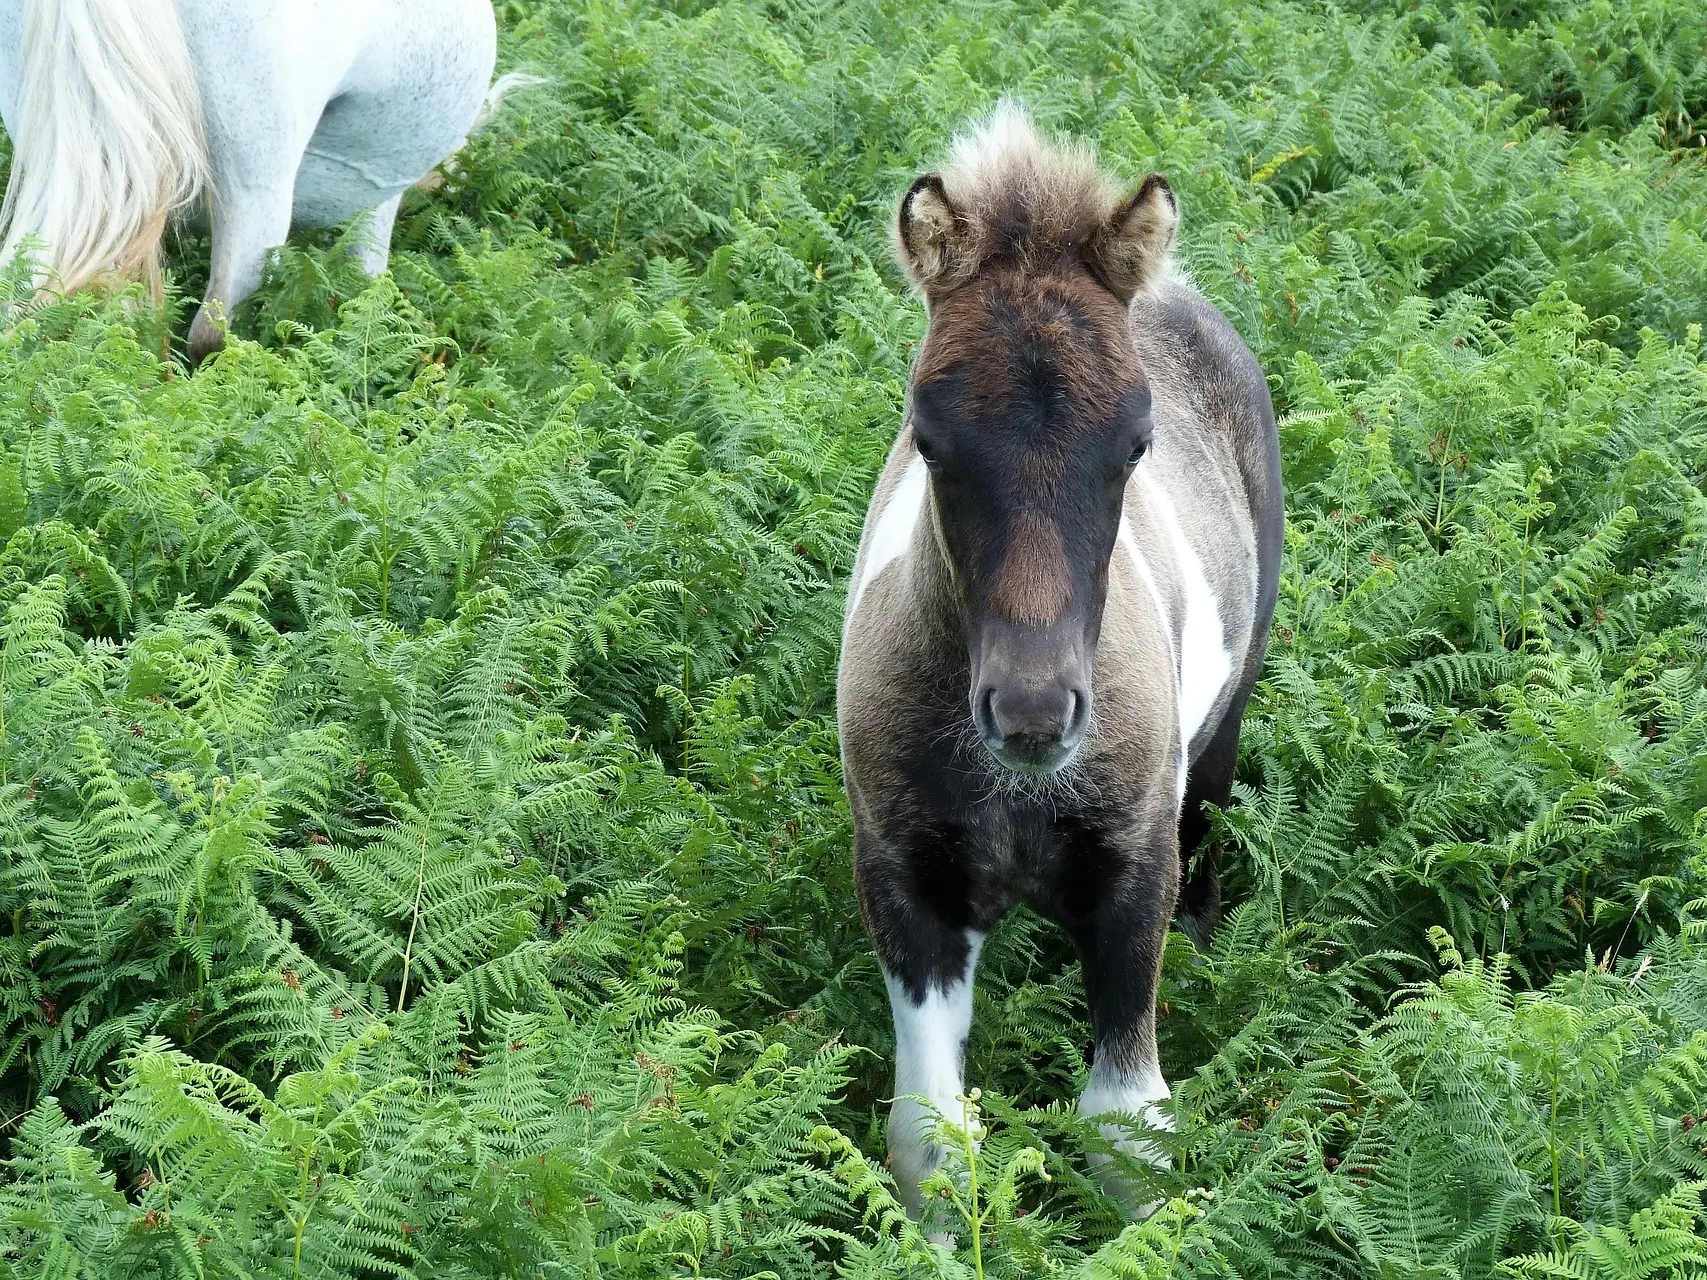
<point x="1032" y="724"/>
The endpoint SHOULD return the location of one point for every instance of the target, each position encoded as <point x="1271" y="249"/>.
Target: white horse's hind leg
<point x="374" y="251"/>
<point x="266" y="72"/>
<point x="246" y="223"/>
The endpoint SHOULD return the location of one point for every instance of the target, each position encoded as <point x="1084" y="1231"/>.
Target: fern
<point x="422" y="845"/>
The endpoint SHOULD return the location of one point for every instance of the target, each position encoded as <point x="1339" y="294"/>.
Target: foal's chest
<point x="1052" y="851"/>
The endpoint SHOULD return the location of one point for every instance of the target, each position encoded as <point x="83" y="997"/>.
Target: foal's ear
<point x="932" y="237"/>
<point x="1130" y="253"/>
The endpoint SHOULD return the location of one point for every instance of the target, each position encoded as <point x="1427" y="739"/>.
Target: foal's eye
<point x="1137" y="453"/>
<point x="926" y="450"/>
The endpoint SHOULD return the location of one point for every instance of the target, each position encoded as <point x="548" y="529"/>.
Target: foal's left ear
<point x="1130" y="253"/>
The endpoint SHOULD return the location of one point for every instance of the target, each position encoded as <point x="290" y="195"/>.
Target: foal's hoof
<point x="1122" y="1188"/>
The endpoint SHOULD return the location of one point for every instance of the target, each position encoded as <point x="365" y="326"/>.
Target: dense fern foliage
<point x="423" y="849"/>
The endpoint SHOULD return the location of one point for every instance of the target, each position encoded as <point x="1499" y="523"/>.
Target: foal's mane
<point x="1025" y="202"/>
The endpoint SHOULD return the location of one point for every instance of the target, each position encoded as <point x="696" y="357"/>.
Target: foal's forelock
<point x="1062" y="321"/>
<point x="1009" y="196"/>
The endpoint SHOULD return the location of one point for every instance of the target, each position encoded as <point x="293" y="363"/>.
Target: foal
<point x="1061" y="602"/>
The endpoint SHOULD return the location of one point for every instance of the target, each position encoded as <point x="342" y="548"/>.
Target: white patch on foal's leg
<point x="1134" y="1093"/>
<point x="930" y="1052"/>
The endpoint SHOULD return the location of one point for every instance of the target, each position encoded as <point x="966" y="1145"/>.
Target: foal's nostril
<point x="984" y="717"/>
<point x="1031" y="727"/>
<point x="1078" y="718"/>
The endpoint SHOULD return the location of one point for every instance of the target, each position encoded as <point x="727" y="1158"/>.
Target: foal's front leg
<point x="928" y="964"/>
<point x="1120" y="928"/>
<point x="932" y="1023"/>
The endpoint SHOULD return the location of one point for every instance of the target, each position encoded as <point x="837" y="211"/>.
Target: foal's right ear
<point x="1131" y="250"/>
<point x="932" y="237"/>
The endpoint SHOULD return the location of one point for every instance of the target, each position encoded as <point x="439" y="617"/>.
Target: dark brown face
<point x="1031" y="410"/>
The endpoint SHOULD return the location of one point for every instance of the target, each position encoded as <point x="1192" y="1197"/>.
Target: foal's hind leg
<point x="1210" y="782"/>
<point x="1118" y="892"/>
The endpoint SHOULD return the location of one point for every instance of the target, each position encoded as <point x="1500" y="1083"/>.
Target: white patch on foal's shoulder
<point x="930" y="1052"/>
<point x="1130" y="541"/>
<point x="1205" y="663"/>
<point x="893" y="533"/>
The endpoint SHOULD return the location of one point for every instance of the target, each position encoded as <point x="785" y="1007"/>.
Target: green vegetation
<point x="421" y="843"/>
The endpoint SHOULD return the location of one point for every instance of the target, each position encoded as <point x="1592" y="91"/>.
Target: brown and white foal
<point x="1061" y="602"/>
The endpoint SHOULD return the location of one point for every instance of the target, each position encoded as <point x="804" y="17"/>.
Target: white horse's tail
<point x="109" y="138"/>
<point x="501" y="88"/>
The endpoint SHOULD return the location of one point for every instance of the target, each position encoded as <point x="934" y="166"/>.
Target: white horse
<point x="263" y="114"/>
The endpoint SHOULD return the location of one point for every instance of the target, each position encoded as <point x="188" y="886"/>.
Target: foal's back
<point x="1208" y="498"/>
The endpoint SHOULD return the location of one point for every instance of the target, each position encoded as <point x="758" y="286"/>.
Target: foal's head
<point x="1031" y="409"/>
